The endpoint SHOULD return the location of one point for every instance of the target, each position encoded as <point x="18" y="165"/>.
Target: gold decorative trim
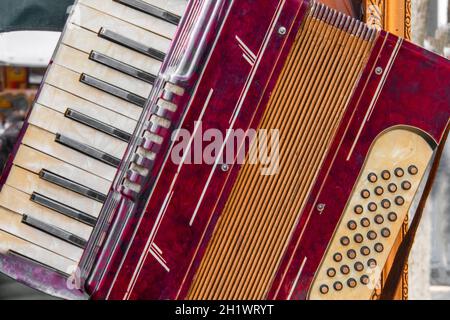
<point x="392" y="16"/>
<point x="395" y="17"/>
<point x="408" y="19"/>
<point x="375" y="13"/>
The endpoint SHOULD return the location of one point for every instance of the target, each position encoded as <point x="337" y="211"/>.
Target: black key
<point x="54" y="231"/>
<point x="113" y="90"/>
<point x="87" y="150"/>
<point x="122" y="67"/>
<point x="151" y="10"/>
<point x="71" y="185"/>
<point x="98" y="125"/>
<point x="63" y="209"/>
<point x="131" y="44"/>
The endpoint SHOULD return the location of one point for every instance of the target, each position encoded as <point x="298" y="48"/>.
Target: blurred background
<point x="24" y="57"/>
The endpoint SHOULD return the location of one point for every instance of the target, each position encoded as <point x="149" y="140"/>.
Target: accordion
<point x="228" y="149"/>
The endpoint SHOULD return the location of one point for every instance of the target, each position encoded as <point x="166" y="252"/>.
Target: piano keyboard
<point x="92" y="98"/>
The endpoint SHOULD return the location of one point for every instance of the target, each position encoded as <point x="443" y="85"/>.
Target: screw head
<point x="282" y="31"/>
<point x="320" y="207"/>
<point x="379" y="71"/>
<point x="225" y="167"/>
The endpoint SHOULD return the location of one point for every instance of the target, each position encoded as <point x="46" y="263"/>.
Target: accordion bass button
<point x="359" y="209"/>
<point x="345" y="270"/>
<point x="365" y="251"/>
<point x="351" y="254"/>
<point x="365" y="194"/>
<point x="372" y="207"/>
<point x="406" y="185"/>
<point x="352" y="225"/>
<point x="386" y="204"/>
<point x="358" y="238"/>
<point x="351" y="283"/>
<point x="365" y="280"/>
<point x="365" y="223"/>
<point x="379" y="191"/>
<point x="345" y="241"/>
<point x="413" y="170"/>
<point x="338" y="286"/>
<point x="372" y="235"/>
<point x="386" y="175"/>
<point x="379" y="219"/>
<point x="372" y="263"/>
<point x="392" y="188"/>
<point x="359" y="266"/>
<point x="392" y="217"/>
<point x="379" y="248"/>
<point x="324" y="289"/>
<point x="372" y="177"/>
<point x="399" y="201"/>
<point x="337" y="257"/>
<point x="399" y="172"/>
<point x="386" y="233"/>
<point x="331" y="272"/>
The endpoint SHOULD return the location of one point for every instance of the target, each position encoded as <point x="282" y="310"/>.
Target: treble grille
<point x="306" y="107"/>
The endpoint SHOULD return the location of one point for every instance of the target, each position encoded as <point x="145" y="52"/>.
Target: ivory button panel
<point x="373" y="218"/>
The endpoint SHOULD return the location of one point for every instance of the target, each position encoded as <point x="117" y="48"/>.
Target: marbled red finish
<point x="416" y="94"/>
<point x="226" y="77"/>
<point x="40" y="278"/>
<point x="414" y="71"/>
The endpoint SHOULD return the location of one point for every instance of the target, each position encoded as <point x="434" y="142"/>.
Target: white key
<point x="18" y="201"/>
<point x="133" y="16"/>
<point x="78" y="61"/>
<point x="34" y="161"/>
<point x="94" y="20"/>
<point x="177" y="7"/>
<point x="69" y="81"/>
<point x="11" y="222"/>
<point x="9" y="242"/>
<point x="60" y="101"/>
<point x="86" y="41"/>
<point x="44" y="141"/>
<point x="56" y="122"/>
<point x="29" y="182"/>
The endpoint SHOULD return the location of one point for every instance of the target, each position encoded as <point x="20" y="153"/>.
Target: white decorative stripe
<point x="377" y="95"/>
<point x="157" y="248"/>
<point x="247" y="58"/>
<point x="246" y="49"/>
<point x="297" y="278"/>
<point x="155" y="255"/>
